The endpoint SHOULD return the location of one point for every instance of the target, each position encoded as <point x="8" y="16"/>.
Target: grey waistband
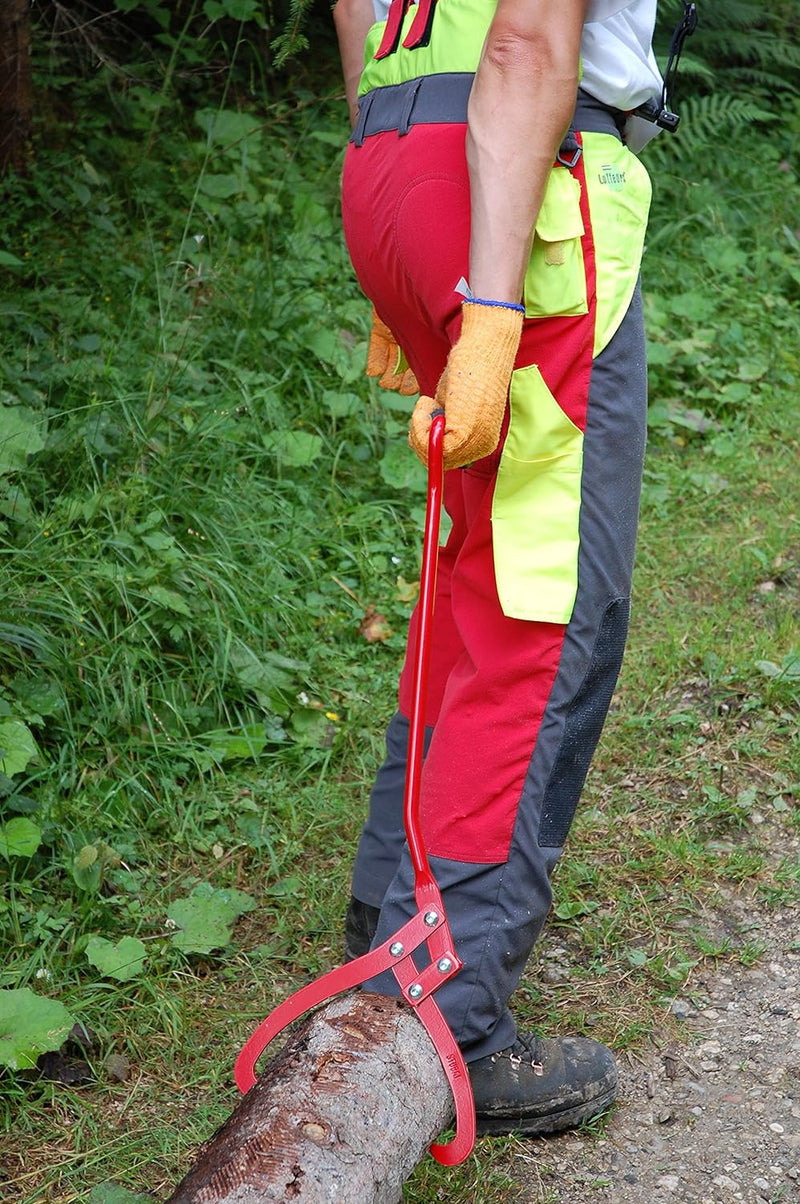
<point x="442" y="100"/>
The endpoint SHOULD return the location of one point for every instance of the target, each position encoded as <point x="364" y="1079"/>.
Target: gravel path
<point x="710" y="1121"/>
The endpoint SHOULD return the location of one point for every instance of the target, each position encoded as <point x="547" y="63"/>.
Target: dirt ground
<point x="712" y="1119"/>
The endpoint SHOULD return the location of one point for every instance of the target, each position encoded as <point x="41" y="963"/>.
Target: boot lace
<point x="525" y="1049"/>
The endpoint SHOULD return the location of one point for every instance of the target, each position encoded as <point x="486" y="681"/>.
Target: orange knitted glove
<point x="473" y="388"/>
<point x="386" y="360"/>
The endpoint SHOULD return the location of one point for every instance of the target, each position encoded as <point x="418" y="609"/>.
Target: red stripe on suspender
<point x="420" y="32"/>
<point x="391" y="34"/>
<point x="418" y="35"/>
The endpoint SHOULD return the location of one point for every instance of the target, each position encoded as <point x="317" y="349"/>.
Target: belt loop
<point x="360" y="129"/>
<point x="404" y="121"/>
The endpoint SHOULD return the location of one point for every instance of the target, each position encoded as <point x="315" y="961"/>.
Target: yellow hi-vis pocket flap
<point x="555" y="282"/>
<point x="618" y="188"/>
<point x="536" y="505"/>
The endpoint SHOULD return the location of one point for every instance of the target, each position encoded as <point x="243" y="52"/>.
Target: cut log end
<point x="344" y="1113"/>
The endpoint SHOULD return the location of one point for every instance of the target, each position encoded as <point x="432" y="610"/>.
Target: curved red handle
<point x="429" y="926"/>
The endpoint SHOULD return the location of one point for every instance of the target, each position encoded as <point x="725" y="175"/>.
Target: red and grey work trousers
<point x="515" y="706"/>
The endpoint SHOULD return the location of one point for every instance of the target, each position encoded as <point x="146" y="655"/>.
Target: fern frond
<point x="766" y="82"/>
<point x="704" y="119"/>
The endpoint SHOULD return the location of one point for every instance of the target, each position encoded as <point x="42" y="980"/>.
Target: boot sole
<point x="541" y="1126"/>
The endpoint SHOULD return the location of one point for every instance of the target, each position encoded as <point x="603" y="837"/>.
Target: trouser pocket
<point x="536" y="505"/>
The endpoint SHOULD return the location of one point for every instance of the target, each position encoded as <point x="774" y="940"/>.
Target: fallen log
<point x="344" y="1113"/>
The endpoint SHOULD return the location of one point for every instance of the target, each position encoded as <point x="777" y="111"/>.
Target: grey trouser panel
<point x="496" y="912"/>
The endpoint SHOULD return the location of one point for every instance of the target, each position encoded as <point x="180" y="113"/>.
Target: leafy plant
<point x="122" y="960"/>
<point x="30" y="1025"/>
<point x="205" y="918"/>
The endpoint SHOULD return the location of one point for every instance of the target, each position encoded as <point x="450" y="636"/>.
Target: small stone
<point x="668" y="1182"/>
<point x="775" y="1127"/>
<point x="733" y="1097"/>
<point x="696" y="1110"/>
<point x="315" y="1132"/>
<point x="118" y="1067"/>
<point x="710" y="1013"/>
<point x="681" y="1008"/>
<point x="725" y="1182"/>
<point x="761" y="1184"/>
<point x="753" y="1038"/>
<point x="664" y="1115"/>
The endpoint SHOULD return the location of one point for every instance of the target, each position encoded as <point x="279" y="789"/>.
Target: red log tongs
<point x="429" y="926"/>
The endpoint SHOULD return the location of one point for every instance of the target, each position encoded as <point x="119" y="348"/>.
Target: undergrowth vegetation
<point x="209" y="525"/>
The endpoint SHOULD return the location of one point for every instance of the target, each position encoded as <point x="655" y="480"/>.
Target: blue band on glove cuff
<point x="520" y="309"/>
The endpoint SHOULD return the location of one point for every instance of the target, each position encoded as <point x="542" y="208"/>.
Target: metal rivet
<point x="431" y="918"/>
<point x="415" y="990"/>
<point x="444" y="965"/>
<point x="397" y="949"/>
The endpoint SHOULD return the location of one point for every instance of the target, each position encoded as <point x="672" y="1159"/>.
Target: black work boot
<point x="360" y="924"/>
<point x="539" y="1087"/>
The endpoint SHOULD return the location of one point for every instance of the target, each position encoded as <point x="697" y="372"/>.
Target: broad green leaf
<point x="340" y="405"/>
<point x="122" y="961"/>
<point x="254" y="831"/>
<point x="169" y="599"/>
<point x="205" y="919"/>
<point x="227" y="125"/>
<point x="221" y="185"/>
<point x="30" y="1025"/>
<point x="401" y="469"/>
<point x="113" y="1193"/>
<point x="7" y="260"/>
<point x="87" y="868"/>
<point x="568" y="911"/>
<point x="311" y="726"/>
<point x="20" y="437"/>
<point x="298" y="449"/>
<point x="17" y="746"/>
<point x="19" y="838"/>
<point x="224" y="746"/>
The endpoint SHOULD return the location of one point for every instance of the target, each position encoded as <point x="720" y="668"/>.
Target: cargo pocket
<point x="536" y="505"/>
<point x="555" y="282"/>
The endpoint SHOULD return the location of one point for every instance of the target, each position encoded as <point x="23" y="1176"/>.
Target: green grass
<point x="213" y="500"/>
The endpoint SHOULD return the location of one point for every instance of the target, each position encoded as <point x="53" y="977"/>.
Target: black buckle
<point x="658" y="111"/>
<point x="570" y="151"/>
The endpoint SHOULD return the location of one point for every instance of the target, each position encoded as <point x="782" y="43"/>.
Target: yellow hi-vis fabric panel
<point x="619" y="193"/>
<point x="537" y="498"/>
<point x="536" y="505"/>
<point x="555" y="282"/>
<point x="459" y="31"/>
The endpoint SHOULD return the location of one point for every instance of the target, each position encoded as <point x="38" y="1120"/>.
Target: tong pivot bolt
<point x="444" y="965"/>
<point x="397" y="949"/>
<point x="415" y="990"/>
<point x="431" y="918"/>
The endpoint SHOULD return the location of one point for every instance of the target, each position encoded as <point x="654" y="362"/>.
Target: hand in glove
<point x="386" y="360"/>
<point x="473" y="388"/>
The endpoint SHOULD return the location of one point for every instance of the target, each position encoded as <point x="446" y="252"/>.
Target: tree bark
<point x="344" y="1113"/>
<point x="16" y="87"/>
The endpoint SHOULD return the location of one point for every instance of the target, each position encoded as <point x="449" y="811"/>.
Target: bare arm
<point x="353" y="19"/>
<point x="519" y="110"/>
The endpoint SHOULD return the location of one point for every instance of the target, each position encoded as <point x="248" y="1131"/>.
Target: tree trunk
<point x="344" y="1113"/>
<point x="16" y="88"/>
